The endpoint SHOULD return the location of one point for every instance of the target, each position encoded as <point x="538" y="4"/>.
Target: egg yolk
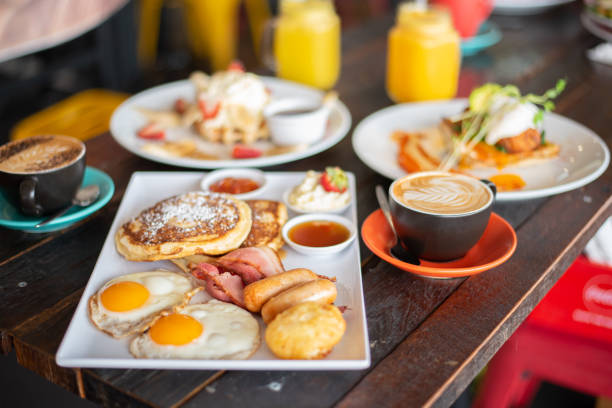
<point x="124" y="296"/>
<point x="175" y="329"/>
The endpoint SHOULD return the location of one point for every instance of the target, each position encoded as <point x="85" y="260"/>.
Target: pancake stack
<point x="200" y="223"/>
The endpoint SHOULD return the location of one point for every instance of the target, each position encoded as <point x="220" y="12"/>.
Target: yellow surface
<point x="148" y="30"/>
<point x="307" y="43"/>
<point x="423" y="57"/>
<point x="83" y="115"/>
<point x="212" y="28"/>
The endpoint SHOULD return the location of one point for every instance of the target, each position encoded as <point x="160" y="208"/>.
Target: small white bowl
<point x="253" y="174"/>
<point x="289" y="129"/>
<point x="293" y="208"/>
<point x="306" y="250"/>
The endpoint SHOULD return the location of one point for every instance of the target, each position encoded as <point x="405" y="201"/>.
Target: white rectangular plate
<point x="85" y="346"/>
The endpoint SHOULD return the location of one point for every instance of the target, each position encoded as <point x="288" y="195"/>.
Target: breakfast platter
<point x="128" y="119"/>
<point x="87" y="344"/>
<point x="582" y="156"/>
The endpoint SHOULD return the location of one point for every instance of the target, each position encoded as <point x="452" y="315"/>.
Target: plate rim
<point x="64" y="359"/>
<point x="593" y="25"/>
<point x="441" y="272"/>
<point x="318" y="147"/>
<point x="73" y="217"/>
<point x="501" y="196"/>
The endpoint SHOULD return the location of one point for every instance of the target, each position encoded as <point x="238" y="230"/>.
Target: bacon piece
<point x="220" y="284"/>
<point x="252" y="263"/>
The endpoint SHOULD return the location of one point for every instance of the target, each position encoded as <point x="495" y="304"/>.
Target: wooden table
<point x="428" y="338"/>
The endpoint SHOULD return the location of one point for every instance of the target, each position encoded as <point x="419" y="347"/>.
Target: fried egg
<point x="212" y="330"/>
<point x="130" y="303"/>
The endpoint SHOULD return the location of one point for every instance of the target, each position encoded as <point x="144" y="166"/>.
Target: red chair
<point x="566" y="340"/>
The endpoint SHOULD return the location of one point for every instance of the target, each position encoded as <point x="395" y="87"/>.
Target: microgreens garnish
<point x="477" y="120"/>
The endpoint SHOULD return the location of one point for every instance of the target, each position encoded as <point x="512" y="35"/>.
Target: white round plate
<point x="126" y="121"/>
<point x="524" y="7"/>
<point x="583" y="157"/>
<point x="597" y="25"/>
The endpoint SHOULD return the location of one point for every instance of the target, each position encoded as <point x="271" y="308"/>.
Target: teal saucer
<point x="488" y="34"/>
<point x="11" y="217"/>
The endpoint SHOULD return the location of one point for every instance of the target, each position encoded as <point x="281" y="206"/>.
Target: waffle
<point x="187" y="224"/>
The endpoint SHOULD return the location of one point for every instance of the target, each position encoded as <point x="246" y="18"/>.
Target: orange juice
<point x="307" y="43"/>
<point x="423" y="57"/>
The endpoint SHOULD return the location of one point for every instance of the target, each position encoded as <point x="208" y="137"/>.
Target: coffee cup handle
<point x="491" y="185"/>
<point x="27" y="195"/>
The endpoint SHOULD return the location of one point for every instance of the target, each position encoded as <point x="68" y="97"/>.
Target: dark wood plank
<point x="159" y="388"/>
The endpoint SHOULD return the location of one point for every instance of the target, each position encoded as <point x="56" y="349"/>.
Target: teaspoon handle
<point x="384" y="206"/>
<point x="54" y="216"/>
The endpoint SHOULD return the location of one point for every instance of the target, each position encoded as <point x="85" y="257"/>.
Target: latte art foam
<point x="39" y="153"/>
<point x="442" y="194"/>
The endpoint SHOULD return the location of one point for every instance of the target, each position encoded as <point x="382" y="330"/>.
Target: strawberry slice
<point x="334" y="180"/>
<point x="235" y="65"/>
<point x="180" y="106"/>
<point x="209" y="110"/>
<point x="244" y="152"/>
<point x="152" y="131"/>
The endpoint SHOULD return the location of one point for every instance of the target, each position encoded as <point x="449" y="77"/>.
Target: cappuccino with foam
<point x="442" y="193"/>
<point x="41" y="174"/>
<point x="440" y="215"/>
<point x="40" y="154"/>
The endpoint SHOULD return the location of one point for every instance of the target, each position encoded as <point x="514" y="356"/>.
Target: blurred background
<point x="66" y="64"/>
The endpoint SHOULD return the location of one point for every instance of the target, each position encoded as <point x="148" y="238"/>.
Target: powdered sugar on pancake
<point x="187" y="214"/>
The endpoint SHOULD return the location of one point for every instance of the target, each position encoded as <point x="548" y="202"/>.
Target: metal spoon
<point x="84" y="197"/>
<point x="397" y="250"/>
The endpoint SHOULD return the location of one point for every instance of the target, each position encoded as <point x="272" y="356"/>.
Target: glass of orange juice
<point x="423" y="56"/>
<point x="305" y="43"/>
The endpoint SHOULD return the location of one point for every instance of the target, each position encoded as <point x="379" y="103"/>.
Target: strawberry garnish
<point x="152" y="131"/>
<point x="209" y="110"/>
<point x="334" y="180"/>
<point x="180" y="106"/>
<point x="244" y="152"/>
<point x="235" y="65"/>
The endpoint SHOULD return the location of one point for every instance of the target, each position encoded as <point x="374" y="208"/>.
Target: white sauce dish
<point x="296" y="121"/>
<point x="255" y="175"/>
<point x="315" y="218"/>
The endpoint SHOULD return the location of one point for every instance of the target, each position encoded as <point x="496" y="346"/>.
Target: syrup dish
<point x="320" y="234"/>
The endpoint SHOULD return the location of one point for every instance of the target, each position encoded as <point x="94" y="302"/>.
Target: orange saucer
<point x="494" y="248"/>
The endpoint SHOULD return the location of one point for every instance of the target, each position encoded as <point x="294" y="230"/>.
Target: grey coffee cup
<point x="40" y="191"/>
<point x="440" y="236"/>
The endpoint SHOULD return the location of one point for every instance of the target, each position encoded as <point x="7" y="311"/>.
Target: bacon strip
<point x="224" y="278"/>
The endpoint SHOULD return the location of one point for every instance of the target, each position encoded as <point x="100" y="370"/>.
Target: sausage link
<point x="320" y="291"/>
<point x="259" y="292"/>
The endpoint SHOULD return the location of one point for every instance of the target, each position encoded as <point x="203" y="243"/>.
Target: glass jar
<point x="307" y="42"/>
<point x="423" y="56"/>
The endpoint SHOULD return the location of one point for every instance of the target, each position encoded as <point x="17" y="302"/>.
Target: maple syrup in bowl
<point x="319" y="234"/>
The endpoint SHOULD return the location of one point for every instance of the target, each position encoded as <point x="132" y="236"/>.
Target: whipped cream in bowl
<point x="309" y="196"/>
